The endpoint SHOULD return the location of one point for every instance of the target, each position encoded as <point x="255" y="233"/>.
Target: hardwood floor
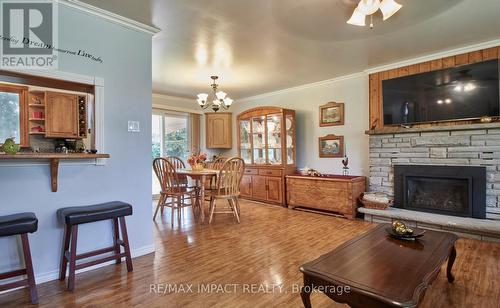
<point x="266" y="248"/>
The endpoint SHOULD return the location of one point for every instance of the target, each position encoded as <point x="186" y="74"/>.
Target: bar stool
<point x="75" y="216"/>
<point x="20" y="224"/>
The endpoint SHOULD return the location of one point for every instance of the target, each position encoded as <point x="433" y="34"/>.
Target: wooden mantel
<point x="401" y="130"/>
<point x="54" y="159"/>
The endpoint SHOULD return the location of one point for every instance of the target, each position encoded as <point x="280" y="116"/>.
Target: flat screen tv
<point x="464" y="92"/>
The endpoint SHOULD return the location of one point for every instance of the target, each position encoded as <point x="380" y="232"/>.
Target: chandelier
<point x="370" y="7"/>
<point x="219" y="99"/>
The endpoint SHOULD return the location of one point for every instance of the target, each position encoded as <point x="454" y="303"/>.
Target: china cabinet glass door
<point x="259" y="142"/>
<point x="274" y="153"/>
<point x="290" y="146"/>
<point x="246" y="142"/>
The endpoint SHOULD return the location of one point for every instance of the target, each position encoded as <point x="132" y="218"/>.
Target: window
<point x="12" y="108"/>
<point x="170" y="137"/>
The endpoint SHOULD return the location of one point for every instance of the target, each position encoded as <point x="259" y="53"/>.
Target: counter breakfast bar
<point x="54" y="159"/>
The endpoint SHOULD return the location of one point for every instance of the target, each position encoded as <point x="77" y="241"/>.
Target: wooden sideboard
<point x="333" y="193"/>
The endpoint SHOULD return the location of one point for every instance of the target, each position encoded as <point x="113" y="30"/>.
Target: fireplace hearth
<point x="450" y="190"/>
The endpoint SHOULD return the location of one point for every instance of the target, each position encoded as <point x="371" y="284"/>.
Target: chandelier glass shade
<point x="218" y="100"/>
<point x="370" y="7"/>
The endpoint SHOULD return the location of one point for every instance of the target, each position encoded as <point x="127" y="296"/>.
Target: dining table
<point x="199" y="177"/>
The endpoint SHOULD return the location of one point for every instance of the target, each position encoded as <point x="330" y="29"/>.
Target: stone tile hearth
<point x="481" y="229"/>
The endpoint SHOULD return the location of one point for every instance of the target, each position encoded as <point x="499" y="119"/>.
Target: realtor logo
<point x="28" y="34"/>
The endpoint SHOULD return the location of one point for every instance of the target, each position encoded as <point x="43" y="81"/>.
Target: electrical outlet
<point x="133" y="126"/>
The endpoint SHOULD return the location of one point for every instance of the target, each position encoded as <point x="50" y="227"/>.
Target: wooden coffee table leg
<point x="451" y="260"/>
<point x="305" y="292"/>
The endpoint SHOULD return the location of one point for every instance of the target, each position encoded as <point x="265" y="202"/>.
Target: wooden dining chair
<point x="171" y="187"/>
<point x="178" y="164"/>
<point x="217" y="164"/>
<point x="228" y="187"/>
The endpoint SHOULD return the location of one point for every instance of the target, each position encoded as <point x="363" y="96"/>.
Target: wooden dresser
<point x="333" y="193"/>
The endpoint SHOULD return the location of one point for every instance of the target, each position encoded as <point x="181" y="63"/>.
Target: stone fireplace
<point x="449" y="190"/>
<point x="474" y="145"/>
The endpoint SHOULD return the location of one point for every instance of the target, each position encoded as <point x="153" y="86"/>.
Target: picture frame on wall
<point x="331" y="114"/>
<point x="331" y="146"/>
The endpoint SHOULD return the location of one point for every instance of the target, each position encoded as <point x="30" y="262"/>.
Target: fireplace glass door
<point x="438" y="195"/>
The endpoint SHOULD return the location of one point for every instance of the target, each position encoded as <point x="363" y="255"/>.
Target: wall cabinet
<point x="219" y="130"/>
<point x="61" y="115"/>
<point x="266" y="142"/>
<point x="337" y="194"/>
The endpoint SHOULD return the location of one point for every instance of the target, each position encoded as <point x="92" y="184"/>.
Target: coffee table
<point x="376" y="270"/>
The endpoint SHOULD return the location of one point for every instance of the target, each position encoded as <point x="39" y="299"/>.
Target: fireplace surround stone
<point x="464" y="145"/>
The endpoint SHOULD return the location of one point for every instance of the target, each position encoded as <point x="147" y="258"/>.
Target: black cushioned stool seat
<point x="91" y="213"/>
<point x="20" y="224"/>
<point x="75" y="216"/>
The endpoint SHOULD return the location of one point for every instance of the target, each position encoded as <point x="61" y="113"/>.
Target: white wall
<point x="127" y="174"/>
<point x="353" y="91"/>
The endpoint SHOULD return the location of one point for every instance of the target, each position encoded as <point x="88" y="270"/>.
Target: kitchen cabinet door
<point x="219" y="130"/>
<point x="61" y="119"/>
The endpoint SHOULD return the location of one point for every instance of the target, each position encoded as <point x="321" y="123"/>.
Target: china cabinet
<point x="266" y="142"/>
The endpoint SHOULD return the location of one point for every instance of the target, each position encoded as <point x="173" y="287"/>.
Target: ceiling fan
<point x="370" y="7"/>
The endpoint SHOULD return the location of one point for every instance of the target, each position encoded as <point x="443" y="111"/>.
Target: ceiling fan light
<point x="389" y="8"/>
<point x="228" y="101"/>
<point x="357" y="18"/>
<point x="220" y="95"/>
<point x="368" y="7"/>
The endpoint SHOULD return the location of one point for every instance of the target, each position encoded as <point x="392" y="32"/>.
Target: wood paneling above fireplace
<point x="376" y="113"/>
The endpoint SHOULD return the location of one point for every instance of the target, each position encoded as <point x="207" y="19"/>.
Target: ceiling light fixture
<point x="370" y="7"/>
<point x="219" y="98"/>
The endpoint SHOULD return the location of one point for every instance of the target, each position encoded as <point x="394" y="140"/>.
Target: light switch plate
<point x="133" y="126"/>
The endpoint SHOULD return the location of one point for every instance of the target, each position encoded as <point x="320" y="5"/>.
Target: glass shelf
<point x="267" y="139"/>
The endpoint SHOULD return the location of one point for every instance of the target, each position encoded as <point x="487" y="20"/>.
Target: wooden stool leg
<point x="72" y="259"/>
<point x="29" y="269"/>
<point x="128" y="257"/>
<point x="65" y="247"/>
<point x="116" y="236"/>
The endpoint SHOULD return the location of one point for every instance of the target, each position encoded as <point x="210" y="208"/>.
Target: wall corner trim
<point x="112" y="17"/>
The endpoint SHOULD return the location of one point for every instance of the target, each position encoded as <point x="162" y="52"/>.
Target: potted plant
<point x="196" y="161"/>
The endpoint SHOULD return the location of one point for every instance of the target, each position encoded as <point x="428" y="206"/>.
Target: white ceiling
<point x="260" y="46"/>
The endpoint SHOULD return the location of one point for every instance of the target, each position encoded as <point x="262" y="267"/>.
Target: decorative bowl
<point x="417" y="233"/>
<point x="197" y="167"/>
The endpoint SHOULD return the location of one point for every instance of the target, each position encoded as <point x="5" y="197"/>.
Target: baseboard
<point x="54" y="275"/>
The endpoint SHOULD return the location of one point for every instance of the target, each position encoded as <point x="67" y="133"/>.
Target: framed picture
<point x="331" y="146"/>
<point x="331" y="114"/>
